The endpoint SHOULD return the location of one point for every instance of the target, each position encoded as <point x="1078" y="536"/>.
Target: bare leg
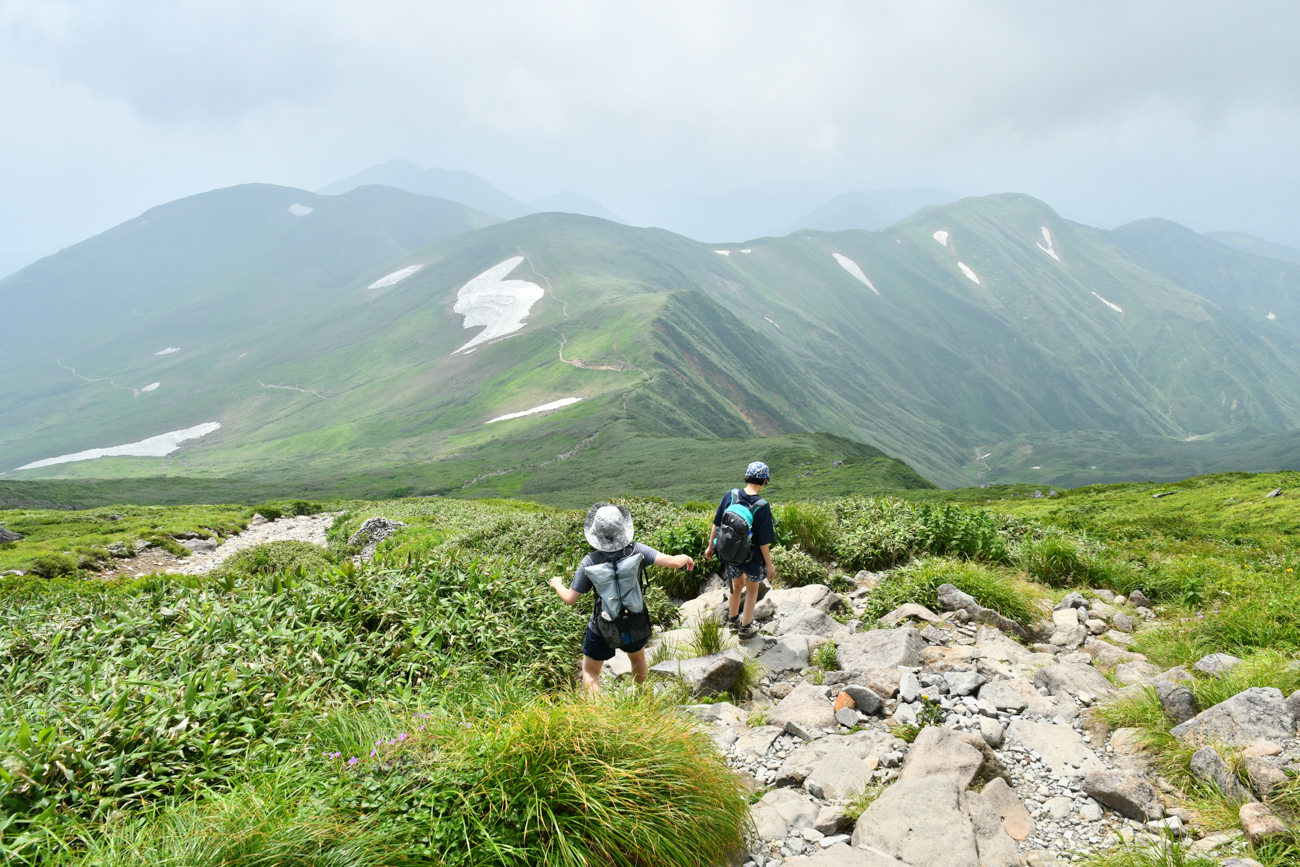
<point x="733" y="598"/>
<point x="640" y="666"/>
<point x="591" y="673"/>
<point x="751" y="600"/>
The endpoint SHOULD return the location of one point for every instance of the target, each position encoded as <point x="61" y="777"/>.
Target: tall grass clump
<point x="992" y="587"/>
<point x="708" y="636"/>
<point x="810" y="526"/>
<point x="1056" y="561"/>
<point x="794" y="568"/>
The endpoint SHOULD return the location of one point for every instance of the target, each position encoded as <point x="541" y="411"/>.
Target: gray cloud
<point x="1170" y="108"/>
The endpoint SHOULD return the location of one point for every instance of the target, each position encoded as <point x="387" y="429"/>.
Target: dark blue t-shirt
<point x="764" y="531"/>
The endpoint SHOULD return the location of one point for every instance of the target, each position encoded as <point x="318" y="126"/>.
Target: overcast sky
<point x="1108" y="111"/>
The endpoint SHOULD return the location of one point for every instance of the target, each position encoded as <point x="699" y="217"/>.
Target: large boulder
<point x="1015" y="695"/>
<point x="940" y="752"/>
<point x="787" y="653"/>
<point x="952" y="599"/>
<point x="809" y="621"/>
<point x="881" y="648"/>
<point x="1068" y="679"/>
<point x="1125" y="792"/>
<point x="864" y="698"/>
<point x="371" y="532"/>
<point x="7" y="536"/>
<point x="920" y="821"/>
<point x="1003" y="799"/>
<point x="994" y="845"/>
<point x="1257" y="714"/>
<point x="807" y="707"/>
<point x="756" y="741"/>
<point x="783" y="603"/>
<point x="1061" y="747"/>
<point x="1176" y="701"/>
<point x="995" y="645"/>
<point x="1217" y="664"/>
<point x="714" y="674"/>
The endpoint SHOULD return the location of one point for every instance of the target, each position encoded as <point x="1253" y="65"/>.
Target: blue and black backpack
<point x="735" y="538"/>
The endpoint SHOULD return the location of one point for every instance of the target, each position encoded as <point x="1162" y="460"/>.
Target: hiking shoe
<point x="733" y="623"/>
<point x="747" y="632"/>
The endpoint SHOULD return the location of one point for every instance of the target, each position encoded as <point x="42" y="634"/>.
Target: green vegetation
<point x="271" y="558"/>
<point x="994" y="587"/>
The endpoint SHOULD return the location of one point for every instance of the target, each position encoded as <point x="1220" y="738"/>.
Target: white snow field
<point x="1049" y="249"/>
<point x="778" y="327"/>
<point x="151" y="386"/>
<point x="1271" y="316"/>
<point x="965" y="269"/>
<point x="1114" y="307"/>
<point x="300" y="210"/>
<point x="500" y="304"/>
<point x="394" y="278"/>
<point x="852" y="267"/>
<point x="942" y="237"/>
<point x="154" y="447"/>
<point x="747" y="250"/>
<point x="546" y="407"/>
<point x="169" y="350"/>
<point x="723" y="252"/>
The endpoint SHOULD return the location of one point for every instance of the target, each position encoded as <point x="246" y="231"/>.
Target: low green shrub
<point x="826" y="657"/>
<point x="53" y="566"/>
<point x="794" y="568"/>
<point x="1055" y="561"/>
<point x="709" y="635"/>
<point x="269" y="558"/>
<point x="992" y="587"/>
<point x="810" y="526"/>
<point x="878" y="533"/>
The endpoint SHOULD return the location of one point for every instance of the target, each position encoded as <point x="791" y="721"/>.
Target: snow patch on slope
<point x="151" y="386"/>
<point x="852" y="267"/>
<point x="300" y="210"/>
<point x="154" y="447"/>
<point x="169" y="350"/>
<point x="1049" y="249"/>
<point x="942" y="237"/>
<point x="546" y="407"/>
<point x="1271" y="316"/>
<point x="1114" y="307"/>
<point x="394" y="278"/>
<point x="723" y="252"/>
<point x="965" y="269"/>
<point x="495" y="302"/>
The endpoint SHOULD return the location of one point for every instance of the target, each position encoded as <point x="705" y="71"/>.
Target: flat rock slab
<point x="1016" y="695"/>
<point x="1015" y="817"/>
<point x="940" y="752"/>
<point x="787" y="602"/>
<point x="782" y="812"/>
<point x="920" y="821"/>
<point x="809" y="621"/>
<point x="844" y="855"/>
<point x="1257" y="714"/>
<point x="996" y="645"/>
<point x="992" y="842"/>
<point x="790" y="652"/>
<point x="757" y="741"/>
<point x="807" y="706"/>
<point x="839" y="775"/>
<point x="881" y="648"/>
<point x="1062" y="748"/>
<point x="1072" y="678"/>
<point x="705" y="675"/>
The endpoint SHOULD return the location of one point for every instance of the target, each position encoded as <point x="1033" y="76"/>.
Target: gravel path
<point x="307" y="528"/>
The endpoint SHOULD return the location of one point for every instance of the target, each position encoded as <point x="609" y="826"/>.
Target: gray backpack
<point x="623" y="618"/>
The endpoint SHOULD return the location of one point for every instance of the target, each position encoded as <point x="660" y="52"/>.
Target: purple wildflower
<point x="402" y="736"/>
<point x="353" y="760"/>
<point x="372" y="753"/>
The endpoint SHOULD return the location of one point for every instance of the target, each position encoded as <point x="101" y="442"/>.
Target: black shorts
<point x="594" y="646"/>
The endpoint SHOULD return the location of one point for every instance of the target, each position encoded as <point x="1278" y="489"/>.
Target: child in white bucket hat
<point x="619" y="619"/>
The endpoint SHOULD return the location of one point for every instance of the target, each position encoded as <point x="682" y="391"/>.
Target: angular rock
<point x="1071" y="600"/>
<point x="1264" y="776"/>
<point x="1208" y="766"/>
<point x="1138" y="599"/>
<point x="940" y="752"/>
<point x="1256" y="714"/>
<point x="910" y="611"/>
<point x="1216" y="664"/>
<point x="1062" y="748"/>
<point x="1263" y="748"/>
<point x="1015" y="818"/>
<point x="993" y="844"/>
<point x="1126" y="741"/>
<point x="1069" y="679"/>
<point x="782" y="812"/>
<point x="830" y="820"/>
<point x="788" y="653"/>
<point x="1258" y="823"/>
<point x="787" y="602"/>
<point x="1129" y="673"/>
<point x="994" y="644"/>
<point x="7" y="536"/>
<point x="1293" y="702"/>
<point x="1095" y="626"/>
<point x="1124" y="792"/>
<point x="881" y="648"/>
<point x="1014" y="696"/>
<point x="1065" y="617"/>
<point x="705" y="675"/>
<point x="846" y="716"/>
<point x="1178" y="702"/>
<point x="1069" y="636"/>
<point x="809" y="621"/>
<point x="909" y="688"/>
<point x="757" y="741"/>
<point x="991" y="766"/>
<point x="1123" y="623"/>
<point x="864" y="698"/>
<point x="838" y="776"/>
<point x="920" y="821"/>
<point x="807" y="706"/>
<point x="797" y="766"/>
<point x="991" y="731"/>
<point x="964" y="682"/>
<point x="371" y="532"/>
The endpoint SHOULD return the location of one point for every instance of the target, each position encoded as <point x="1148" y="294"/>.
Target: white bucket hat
<point x="608" y="527"/>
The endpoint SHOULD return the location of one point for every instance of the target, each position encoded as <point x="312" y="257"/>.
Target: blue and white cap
<point x="756" y="470"/>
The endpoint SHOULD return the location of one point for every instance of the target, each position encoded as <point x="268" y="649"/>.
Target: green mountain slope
<point x="988" y="325"/>
<point x="1256" y="246"/>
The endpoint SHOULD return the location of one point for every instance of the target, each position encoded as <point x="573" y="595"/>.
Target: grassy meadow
<point x="421" y="709"/>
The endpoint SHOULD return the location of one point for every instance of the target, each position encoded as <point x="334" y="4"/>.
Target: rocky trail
<point x="1014" y="767"/>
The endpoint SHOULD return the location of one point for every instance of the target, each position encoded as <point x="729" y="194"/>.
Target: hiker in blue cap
<point x="742" y="538"/>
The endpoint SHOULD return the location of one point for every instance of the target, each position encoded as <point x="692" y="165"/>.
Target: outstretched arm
<point x="568" y="594"/>
<point x="677" y="561"/>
